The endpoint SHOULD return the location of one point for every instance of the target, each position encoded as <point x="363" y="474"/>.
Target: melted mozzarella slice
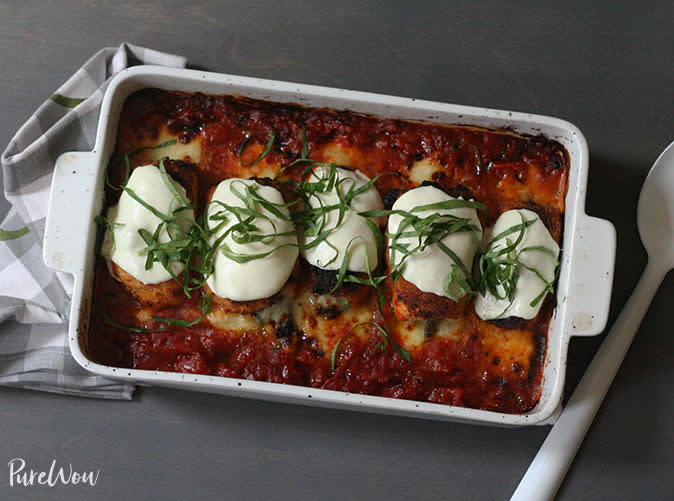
<point x="123" y="244"/>
<point x="352" y="236"/>
<point x="530" y="256"/>
<point x="259" y="277"/>
<point x="428" y="268"/>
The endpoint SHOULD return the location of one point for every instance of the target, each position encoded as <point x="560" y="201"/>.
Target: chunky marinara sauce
<point x="488" y="365"/>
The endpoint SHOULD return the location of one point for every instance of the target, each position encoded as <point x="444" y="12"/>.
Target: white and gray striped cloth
<point x="34" y="353"/>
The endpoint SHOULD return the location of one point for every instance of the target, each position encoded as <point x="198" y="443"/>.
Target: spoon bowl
<point x="655" y="213"/>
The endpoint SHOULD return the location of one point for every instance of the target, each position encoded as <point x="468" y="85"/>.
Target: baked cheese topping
<point x="532" y="260"/>
<point x="123" y="244"/>
<point x="429" y="266"/>
<point x="257" y="249"/>
<point x="351" y="237"/>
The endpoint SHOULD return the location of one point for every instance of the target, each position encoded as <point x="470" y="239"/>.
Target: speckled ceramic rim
<point x="587" y="261"/>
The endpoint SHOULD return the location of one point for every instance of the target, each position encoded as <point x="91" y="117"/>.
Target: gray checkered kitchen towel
<point x="34" y="353"/>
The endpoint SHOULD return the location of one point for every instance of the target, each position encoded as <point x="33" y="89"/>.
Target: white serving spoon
<point x="655" y="218"/>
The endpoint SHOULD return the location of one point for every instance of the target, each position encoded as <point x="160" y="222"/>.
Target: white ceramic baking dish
<point x="585" y="279"/>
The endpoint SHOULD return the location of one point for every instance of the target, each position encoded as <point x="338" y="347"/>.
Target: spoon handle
<point x="549" y="467"/>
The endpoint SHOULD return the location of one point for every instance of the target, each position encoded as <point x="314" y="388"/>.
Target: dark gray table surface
<point x="607" y="68"/>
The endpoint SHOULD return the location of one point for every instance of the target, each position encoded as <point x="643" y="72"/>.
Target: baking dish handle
<point x="589" y="295"/>
<point x="70" y="210"/>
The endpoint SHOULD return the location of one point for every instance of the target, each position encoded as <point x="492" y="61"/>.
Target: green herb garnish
<point x="431" y="230"/>
<point x="372" y="281"/>
<point x="126" y="158"/>
<point x="244" y="222"/>
<point x="66" y="102"/>
<point x="204" y="305"/>
<point x="384" y="334"/>
<point x="264" y="153"/>
<point x="142" y="330"/>
<point x="499" y="266"/>
<point x="313" y="221"/>
<point x="6" y="235"/>
<point x="185" y="238"/>
<point x="182" y="242"/>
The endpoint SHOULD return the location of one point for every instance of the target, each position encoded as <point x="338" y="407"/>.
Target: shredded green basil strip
<point x="342" y="269"/>
<point x="548" y="285"/>
<point x="169" y="184"/>
<point x="455" y="258"/>
<point x="385" y="337"/>
<point x="264" y="153"/>
<point x="456" y="277"/>
<point x="312" y="221"/>
<point x="518" y="227"/>
<point x="540" y="297"/>
<point x="305" y="144"/>
<point x="205" y="307"/>
<point x="127" y="156"/>
<point x="401" y="351"/>
<point x="378" y="237"/>
<point x="444" y="205"/>
<point x="342" y="272"/>
<point x="114" y="323"/>
<point x="430" y="230"/>
<point x="135" y="152"/>
<point x="499" y="268"/>
<point x="467" y="280"/>
<point x="66" y="102"/>
<point x="104" y="221"/>
<point x="452" y="204"/>
<point x="541" y="248"/>
<point x="244" y="231"/>
<point x="333" y="354"/>
<point x="149" y="207"/>
<point x="6" y="235"/>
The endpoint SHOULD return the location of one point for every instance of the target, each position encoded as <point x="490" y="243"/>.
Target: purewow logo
<point x="20" y="476"/>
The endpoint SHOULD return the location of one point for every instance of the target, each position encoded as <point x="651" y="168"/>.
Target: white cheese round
<point x="529" y="285"/>
<point x="123" y="245"/>
<point x="428" y="268"/>
<point x="352" y="235"/>
<point x="258" y="278"/>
